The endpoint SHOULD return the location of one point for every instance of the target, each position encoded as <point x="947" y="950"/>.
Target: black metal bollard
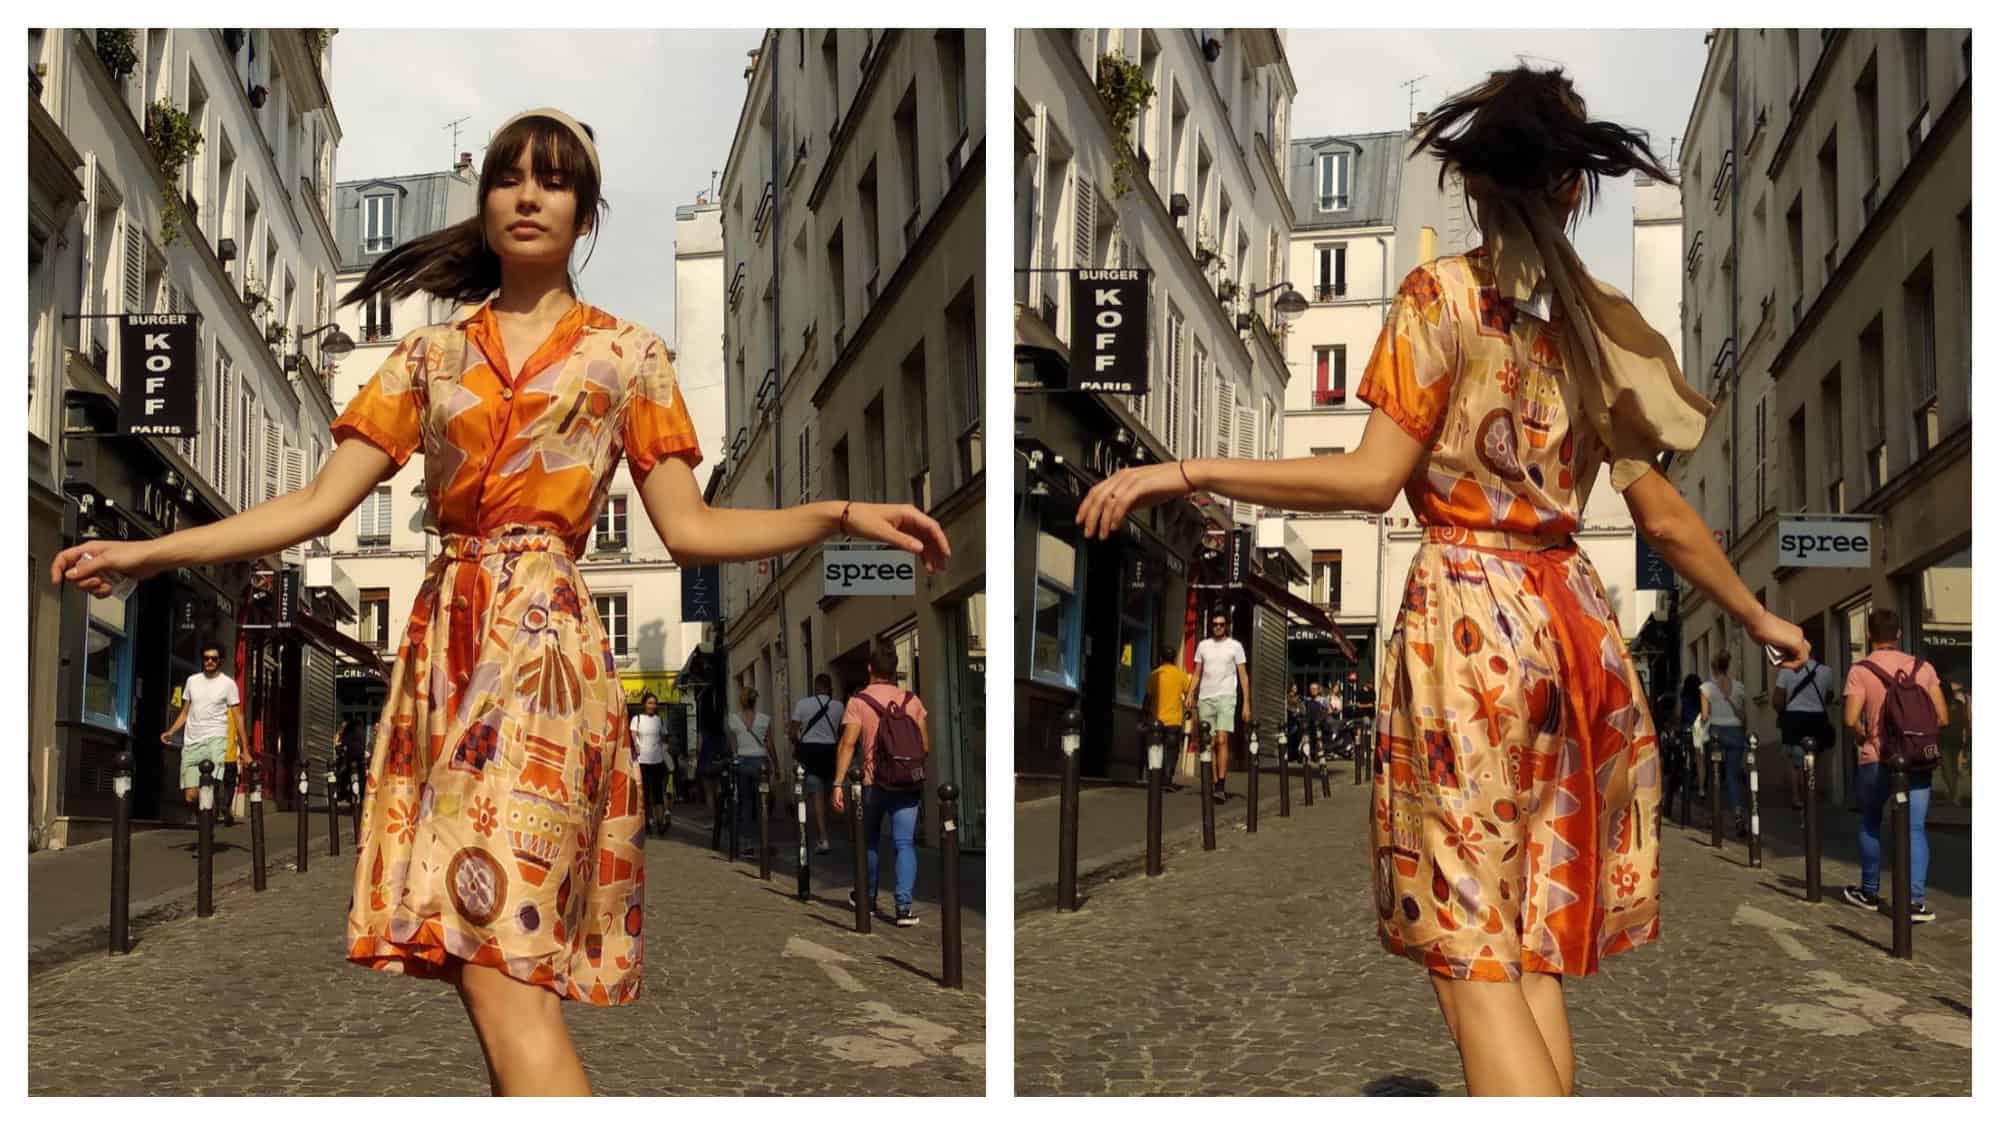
<point x="1284" y="785"/>
<point x="721" y="806"/>
<point x="805" y="851"/>
<point x="1156" y="753"/>
<point x="1310" y="767"/>
<point x="764" y="820"/>
<point x="1810" y="746"/>
<point x="1206" y="762"/>
<point x="1354" y="740"/>
<point x="257" y="831"/>
<point x="357" y="787"/>
<point x="1326" y="777"/>
<point x="121" y="852"/>
<point x="305" y="785"/>
<point x="954" y="950"/>
<point x="734" y="788"/>
<point x="1756" y="834"/>
<point x="204" y="891"/>
<point x="332" y="808"/>
<point x="1715" y="787"/>
<point x="1072" y="795"/>
<point x="1250" y="824"/>
<point x="863" y="901"/>
<point x="1899" y="831"/>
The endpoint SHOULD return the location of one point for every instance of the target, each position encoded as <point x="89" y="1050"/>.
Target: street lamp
<point x="1291" y="304"/>
<point x="339" y="343"/>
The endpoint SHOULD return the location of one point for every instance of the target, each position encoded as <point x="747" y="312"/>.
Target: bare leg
<point x="1499" y="1043"/>
<point x="1221" y="759"/>
<point x="521" y="1033"/>
<point x="1545" y="1002"/>
<point x="819" y="813"/>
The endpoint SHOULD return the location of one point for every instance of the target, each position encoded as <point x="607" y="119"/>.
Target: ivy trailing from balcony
<point x="114" y="49"/>
<point x="174" y="139"/>
<point x="1126" y="93"/>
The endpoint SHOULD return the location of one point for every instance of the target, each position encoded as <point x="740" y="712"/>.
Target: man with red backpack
<point x="890" y="728"/>
<point x="1895" y="709"/>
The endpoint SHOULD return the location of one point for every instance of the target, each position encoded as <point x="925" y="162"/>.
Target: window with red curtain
<point x="1330" y="375"/>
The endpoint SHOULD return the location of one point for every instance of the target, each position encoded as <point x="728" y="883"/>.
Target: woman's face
<point x="651" y="705"/>
<point x="529" y="220"/>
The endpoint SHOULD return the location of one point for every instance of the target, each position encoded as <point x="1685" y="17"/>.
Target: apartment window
<point x="829" y="68"/>
<point x="1795" y="458"/>
<point x="373" y="527"/>
<point x="917" y="410"/>
<point x="1874" y="433"/>
<point x="871" y="236"/>
<point x="836" y="275"/>
<point x="375" y="618"/>
<point x="1832" y="452"/>
<point x="1326" y="580"/>
<point x="1761" y="435"/>
<point x="617" y="619"/>
<point x="611" y="523"/>
<point x="1920" y="328"/>
<point x="1795" y="244"/>
<point x="1829" y="191"/>
<point x="376" y="322"/>
<point x="1198" y="410"/>
<point x="951" y="68"/>
<point x="1331" y="280"/>
<point x="875" y="433"/>
<point x="221" y="444"/>
<point x="961" y="342"/>
<point x="906" y="156"/>
<point x="1330" y="375"/>
<point x="1333" y="185"/>
<point x="840" y="474"/>
<point x="1057" y="642"/>
<point x="1867" y="104"/>
<point x="1916" y="65"/>
<point x="379" y="214"/>
<point x="1176" y="364"/>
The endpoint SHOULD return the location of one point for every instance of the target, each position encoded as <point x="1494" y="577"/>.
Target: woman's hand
<point x="1769" y="629"/>
<point x="108" y="559"/>
<point x="1127" y="491"/>
<point x="840" y="798"/>
<point x="901" y="526"/>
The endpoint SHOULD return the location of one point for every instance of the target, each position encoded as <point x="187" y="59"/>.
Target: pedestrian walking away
<point x="1166" y="701"/>
<point x="1517" y="777"/>
<point x="1725" y="717"/>
<point x="1872" y="683"/>
<point x="655" y="767"/>
<point x="1807" y="692"/>
<point x="1222" y="670"/>
<point x="502" y="835"/>
<point x="815" y="730"/>
<point x="890" y="729"/>
<point x="212" y="713"/>
<point x="750" y="738"/>
<point x="1695" y="730"/>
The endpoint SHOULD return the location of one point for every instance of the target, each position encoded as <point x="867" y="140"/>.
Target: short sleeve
<point x="233" y="698"/>
<point x="1409" y="376"/>
<point x="388" y="413"/>
<point x="657" y="424"/>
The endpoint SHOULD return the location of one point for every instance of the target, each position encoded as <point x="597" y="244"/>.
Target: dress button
<point x="459" y="602"/>
<point x="506" y="394"/>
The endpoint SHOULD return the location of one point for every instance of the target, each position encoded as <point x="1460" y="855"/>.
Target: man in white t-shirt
<point x="1222" y="670"/>
<point x="815" y="733"/>
<point x="209" y="711"/>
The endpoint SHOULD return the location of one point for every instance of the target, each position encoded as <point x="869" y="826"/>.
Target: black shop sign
<point x="157" y="375"/>
<point x="1108" y="331"/>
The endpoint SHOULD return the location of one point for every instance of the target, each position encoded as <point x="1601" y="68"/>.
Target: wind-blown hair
<point x="1527" y="130"/>
<point x="455" y="263"/>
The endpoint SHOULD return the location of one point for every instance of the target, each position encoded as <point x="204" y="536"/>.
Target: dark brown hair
<point x="882" y="660"/>
<point x="1884" y="626"/>
<point x="455" y="263"/>
<point x="1528" y="130"/>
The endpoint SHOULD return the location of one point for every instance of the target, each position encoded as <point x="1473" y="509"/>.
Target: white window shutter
<point x="1086" y="221"/>
<point x="1225" y="416"/>
<point x="365" y="518"/>
<point x="273" y="454"/>
<point x="1246" y="447"/>
<point x="135" y="267"/>
<point x="385" y="514"/>
<point x="295" y="479"/>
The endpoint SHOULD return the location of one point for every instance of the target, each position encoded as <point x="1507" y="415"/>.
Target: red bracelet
<point x="1184" y="475"/>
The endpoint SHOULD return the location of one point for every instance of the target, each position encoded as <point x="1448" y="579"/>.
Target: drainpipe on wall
<point x="780" y="677"/>
<point x="1735" y="345"/>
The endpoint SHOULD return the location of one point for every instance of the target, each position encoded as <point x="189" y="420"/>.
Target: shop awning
<point x="328" y="637"/>
<point x="1299" y="607"/>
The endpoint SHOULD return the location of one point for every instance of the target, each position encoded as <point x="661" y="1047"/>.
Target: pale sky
<point x="1351" y="82"/>
<point x="662" y="103"/>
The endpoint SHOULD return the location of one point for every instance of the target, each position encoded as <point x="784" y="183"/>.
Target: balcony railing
<point x="1920" y="127"/>
<point x="1694" y="252"/>
<point x="765" y="205"/>
<point x="1722" y="177"/>
<point x="736" y="284"/>
<point x="1324" y="293"/>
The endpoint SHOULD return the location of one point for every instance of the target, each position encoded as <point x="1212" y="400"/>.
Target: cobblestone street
<point x="1254" y="969"/>
<point x="747" y="991"/>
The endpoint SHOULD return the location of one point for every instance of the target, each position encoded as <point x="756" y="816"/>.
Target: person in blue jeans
<point x="1862" y="712"/>
<point x="859" y="725"/>
<point x="1728" y="714"/>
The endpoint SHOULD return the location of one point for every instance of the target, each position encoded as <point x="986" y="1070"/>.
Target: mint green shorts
<point x="1219" y="712"/>
<point x="195" y="753"/>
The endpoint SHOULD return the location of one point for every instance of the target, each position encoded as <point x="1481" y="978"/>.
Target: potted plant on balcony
<point x="1204" y="247"/>
<point x="253" y="292"/>
<point x="1126" y="93"/>
<point x="276" y="335"/>
<point x="172" y="135"/>
<point x="114" y="49"/>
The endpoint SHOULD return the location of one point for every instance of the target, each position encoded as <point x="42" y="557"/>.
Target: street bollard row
<point x="805" y="852"/>
<point x="305" y="784"/>
<point x="1206" y="767"/>
<point x="954" y="951"/>
<point x="863" y="912"/>
<point x="257" y="829"/>
<point x="1256" y="757"/>
<point x="332" y="807"/>
<point x="1284" y="786"/>
<point x="1156" y="753"/>
<point x="1311" y="768"/>
<point x="1716" y="783"/>
<point x="764" y="820"/>
<point x="1072" y="781"/>
<point x="1756" y="825"/>
<point x="204" y="895"/>
<point x="1810" y="745"/>
<point x="1899" y="832"/>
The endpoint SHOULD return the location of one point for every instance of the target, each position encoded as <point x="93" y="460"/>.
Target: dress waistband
<point x="1493" y="539"/>
<point x="459" y="545"/>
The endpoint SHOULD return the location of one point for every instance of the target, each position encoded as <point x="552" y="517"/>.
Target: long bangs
<point x="555" y="151"/>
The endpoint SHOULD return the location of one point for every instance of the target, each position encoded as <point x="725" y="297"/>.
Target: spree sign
<point x="864" y="572"/>
<point x="1824" y="543"/>
<point x="1107" y="331"/>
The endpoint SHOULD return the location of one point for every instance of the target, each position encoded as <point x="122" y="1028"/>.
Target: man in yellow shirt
<point x="1167" y="699"/>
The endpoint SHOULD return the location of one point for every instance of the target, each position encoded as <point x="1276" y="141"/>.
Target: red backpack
<point x="898" y="753"/>
<point x="1907" y="724"/>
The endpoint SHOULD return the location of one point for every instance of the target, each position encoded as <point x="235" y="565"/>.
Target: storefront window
<point x="1058" y="611"/>
<point x="107" y="676"/>
<point x="1939" y="598"/>
<point x="1135" y="641"/>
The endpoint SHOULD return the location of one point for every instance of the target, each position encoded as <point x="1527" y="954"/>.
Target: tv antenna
<point x="453" y="126"/>
<point x="1411" y="86"/>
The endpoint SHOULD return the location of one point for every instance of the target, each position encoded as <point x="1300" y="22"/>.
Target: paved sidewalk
<point x="1254" y="969"/>
<point x="747" y="991"/>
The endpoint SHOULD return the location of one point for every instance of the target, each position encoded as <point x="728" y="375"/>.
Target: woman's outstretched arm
<point x="353" y="470"/>
<point x="696" y="534"/>
<point x="1366" y="480"/>
<point x="1677" y="531"/>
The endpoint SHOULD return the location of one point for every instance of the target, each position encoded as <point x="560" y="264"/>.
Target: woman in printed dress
<point x="503" y="836"/>
<point x="1516" y="799"/>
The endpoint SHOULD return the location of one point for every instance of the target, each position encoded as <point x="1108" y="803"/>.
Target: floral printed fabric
<point x="504" y="824"/>
<point x="1516" y="797"/>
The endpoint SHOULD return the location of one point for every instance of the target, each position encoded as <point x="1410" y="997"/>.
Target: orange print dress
<point x="1516" y="795"/>
<point x="504" y="823"/>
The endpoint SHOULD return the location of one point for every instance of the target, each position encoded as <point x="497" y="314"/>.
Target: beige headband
<point x="574" y="125"/>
